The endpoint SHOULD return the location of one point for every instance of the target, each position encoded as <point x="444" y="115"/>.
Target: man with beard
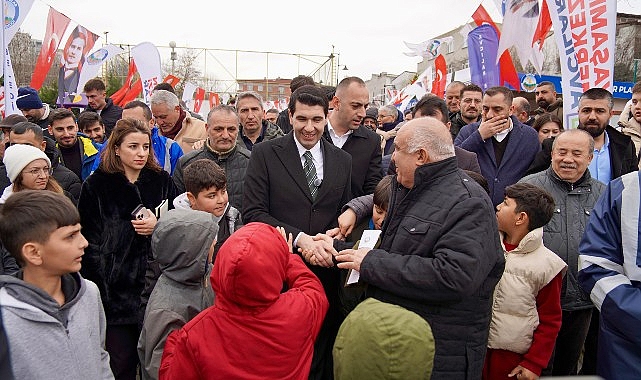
<point x="614" y="152"/>
<point x="470" y="111"/>
<point x="254" y="128"/>
<point x="546" y="100"/>
<point x="29" y="103"/>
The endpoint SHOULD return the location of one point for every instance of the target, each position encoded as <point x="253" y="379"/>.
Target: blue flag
<point x="482" y="48"/>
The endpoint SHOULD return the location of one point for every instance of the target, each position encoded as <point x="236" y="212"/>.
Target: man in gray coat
<point x="575" y="192"/>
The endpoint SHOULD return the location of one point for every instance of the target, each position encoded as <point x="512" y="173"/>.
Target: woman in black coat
<point x="119" y="232"/>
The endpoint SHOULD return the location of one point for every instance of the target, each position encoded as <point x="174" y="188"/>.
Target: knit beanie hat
<point x="28" y="99"/>
<point x="17" y="157"/>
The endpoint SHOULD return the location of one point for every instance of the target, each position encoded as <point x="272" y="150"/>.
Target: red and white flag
<point x="56" y="26"/>
<point x="198" y="99"/>
<point x="438" y="86"/>
<point x="120" y="94"/>
<point x="214" y="100"/>
<point x="519" y="27"/>
<point x="172" y="80"/>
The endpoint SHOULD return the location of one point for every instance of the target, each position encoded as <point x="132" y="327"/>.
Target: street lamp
<point x="174" y="56"/>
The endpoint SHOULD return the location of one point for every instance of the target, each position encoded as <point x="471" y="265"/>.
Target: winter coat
<point x="49" y="341"/>
<point x="433" y="261"/>
<point x="269" y="131"/>
<point x="253" y="330"/>
<point x="610" y="273"/>
<point x="116" y="258"/>
<point x="192" y="130"/>
<point x="528" y="268"/>
<point x="167" y="151"/>
<point x="562" y="234"/>
<point x="233" y="163"/>
<point x="180" y="243"/>
<point x="110" y="114"/>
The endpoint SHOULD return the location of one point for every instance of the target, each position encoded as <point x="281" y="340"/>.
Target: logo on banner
<point x="11" y="13"/>
<point x="148" y="86"/>
<point x="97" y="57"/>
<point x="528" y="83"/>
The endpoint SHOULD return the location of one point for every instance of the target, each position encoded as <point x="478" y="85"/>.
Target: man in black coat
<point x="431" y="259"/>
<point x="285" y="186"/>
<point x="345" y="131"/>
<point x="612" y="149"/>
<point x="99" y="103"/>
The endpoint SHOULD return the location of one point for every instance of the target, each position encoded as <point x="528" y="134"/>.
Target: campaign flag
<point x="198" y="99"/>
<point x="438" y="86"/>
<point x="120" y="94"/>
<point x="214" y="100"/>
<point x="95" y="60"/>
<point x="132" y="93"/>
<point x="147" y="60"/>
<point x="543" y="27"/>
<point x="585" y="34"/>
<point x="506" y="65"/>
<point x="14" y="13"/>
<point x="188" y="93"/>
<point x="56" y="26"/>
<point x="10" y="86"/>
<point x="519" y="26"/>
<point x="78" y="45"/>
<point x="429" y="48"/>
<point x="482" y="45"/>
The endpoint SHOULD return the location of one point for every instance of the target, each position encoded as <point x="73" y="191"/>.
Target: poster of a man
<point x="78" y="45"/>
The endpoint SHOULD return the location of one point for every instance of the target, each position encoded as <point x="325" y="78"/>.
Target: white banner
<point x="10" y="87"/>
<point x="585" y="32"/>
<point x="14" y="13"/>
<point x="93" y="62"/>
<point x="188" y="95"/>
<point x="147" y="59"/>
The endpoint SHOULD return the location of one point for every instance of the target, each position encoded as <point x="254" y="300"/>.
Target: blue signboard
<point x="621" y="90"/>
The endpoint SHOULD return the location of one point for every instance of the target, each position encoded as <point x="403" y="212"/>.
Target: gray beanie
<point x="17" y="157"/>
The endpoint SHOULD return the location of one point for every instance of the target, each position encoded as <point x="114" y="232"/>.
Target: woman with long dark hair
<point x="119" y="206"/>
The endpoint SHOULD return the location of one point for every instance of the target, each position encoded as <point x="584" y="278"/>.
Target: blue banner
<point x="620" y="90"/>
<point x="482" y="48"/>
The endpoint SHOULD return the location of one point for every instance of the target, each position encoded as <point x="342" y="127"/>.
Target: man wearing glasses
<point x="471" y="98"/>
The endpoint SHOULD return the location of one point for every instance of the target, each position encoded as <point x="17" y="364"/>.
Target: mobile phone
<point x="139" y="213"/>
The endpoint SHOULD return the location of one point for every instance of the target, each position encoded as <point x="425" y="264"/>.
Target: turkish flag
<point x="214" y="100"/>
<point x="57" y="24"/>
<point x="544" y="25"/>
<point x="438" y="86"/>
<point x="200" y="96"/>
<point x="132" y="94"/>
<point x="120" y="94"/>
<point x="172" y="80"/>
<point x="506" y="65"/>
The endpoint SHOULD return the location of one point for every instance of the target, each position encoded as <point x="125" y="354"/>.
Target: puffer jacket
<point x="233" y="163"/>
<point x="269" y="131"/>
<point x="562" y="235"/>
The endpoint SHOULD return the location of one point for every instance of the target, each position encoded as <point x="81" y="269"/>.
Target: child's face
<point x="211" y="200"/>
<point x="378" y="216"/>
<point x="62" y="253"/>
<point x="506" y="214"/>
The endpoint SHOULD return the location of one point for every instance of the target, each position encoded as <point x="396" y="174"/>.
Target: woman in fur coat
<point x="119" y="206"/>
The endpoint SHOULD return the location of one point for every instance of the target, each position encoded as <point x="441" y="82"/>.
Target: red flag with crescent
<point x="57" y="24"/>
<point x="438" y="86"/>
<point x="214" y="100"/>
<point x="198" y="99"/>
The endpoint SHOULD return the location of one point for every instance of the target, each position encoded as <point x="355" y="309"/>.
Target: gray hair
<point x="164" y="97"/>
<point x="438" y="144"/>
<point x="222" y="108"/>
<point x="389" y="109"/>
<point x="576" y="131"/>
<point x="250" y="94"/>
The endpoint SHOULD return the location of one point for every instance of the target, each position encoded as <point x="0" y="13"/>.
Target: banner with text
<point x="147" y="60"/>
<point x="585" y="34"/>
<point x="483" y="43"/>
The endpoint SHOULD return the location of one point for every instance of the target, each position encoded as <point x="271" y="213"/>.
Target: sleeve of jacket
<point x="374" y="171"/>
<point x="302" y="282"/>
<point x="102" y="324"/>
<point x="9" y="264"/>
<point x="542" y="159"/>
<point x="177" y="177"/>
<point x="601" y="265"/>
<point x="630" y="159"/>
<point x="175" y="152"/>
<point x="256" y="188"/>
<point x="362" y="206"/>
<point x="458" y="265"/>
<point x="74" y="186"/>
<point x="92" y="229"/>
<point x="474" y="164"/>
<point x="469" y="138"/>
<point x="158" y="325"/>
<point x="178" y="362"/>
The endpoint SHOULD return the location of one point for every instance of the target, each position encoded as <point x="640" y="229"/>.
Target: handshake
<point x="319" y="250"/>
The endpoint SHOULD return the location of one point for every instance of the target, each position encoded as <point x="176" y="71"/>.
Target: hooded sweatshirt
<point x="49" y="341"/>
<point x="180" y="243"/>
<point x="253" y="331"/>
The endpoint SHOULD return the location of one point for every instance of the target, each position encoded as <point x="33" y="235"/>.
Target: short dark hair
<point x="272" y="110"/>
<point x="596" y="93"/>
<point x="146" y="111"/>
<point x="164" y="86"/>
<point x="429" y="104"/>
<point x="38" y="213"/>
<point x="300" y="81"/>
<point x="636" y="88"/>
<point x="507" y="93"/>
<point x="471" y="88"/>
<point x="25" y="126"/>
<point x="87" y="119"/>
<point x="60" y="114"/>
<point x="533" y="200"/>
<point x="545" y="83"/>
<point x="309" y="96"/>
<point x="382" y="192"/>
<point x="203" y="174"/>
<point x="547" y="118"/>
<point x="94" y="84"/>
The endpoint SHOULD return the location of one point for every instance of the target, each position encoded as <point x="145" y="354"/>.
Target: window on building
<point x="260" y="87"/>
<point x="281" y="89"/>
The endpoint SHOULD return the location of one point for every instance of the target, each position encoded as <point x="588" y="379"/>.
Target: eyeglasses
<point x="381" y="116"/>
<point x="46" y="171"/>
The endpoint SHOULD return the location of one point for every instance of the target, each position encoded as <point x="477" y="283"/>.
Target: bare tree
<point x="22" y="49"/>
<point x="187" y="68"/>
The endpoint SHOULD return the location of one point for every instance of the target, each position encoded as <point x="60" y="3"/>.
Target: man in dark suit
<point x="344" y="130"/>
<point x="614" y="152"/>
<point x="300" y="182"/>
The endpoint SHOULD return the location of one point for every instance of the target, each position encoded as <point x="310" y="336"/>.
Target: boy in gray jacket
<point x="53" y="317"/>
<point x="183" y="245"/>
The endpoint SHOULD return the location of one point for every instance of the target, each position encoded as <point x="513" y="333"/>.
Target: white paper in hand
<point x="368" y="240"/>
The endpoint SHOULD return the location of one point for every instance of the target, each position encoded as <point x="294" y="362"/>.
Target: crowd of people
<point x="467" y="237"/>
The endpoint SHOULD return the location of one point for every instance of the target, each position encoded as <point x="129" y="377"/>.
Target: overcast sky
<point x="368" y="35"/>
